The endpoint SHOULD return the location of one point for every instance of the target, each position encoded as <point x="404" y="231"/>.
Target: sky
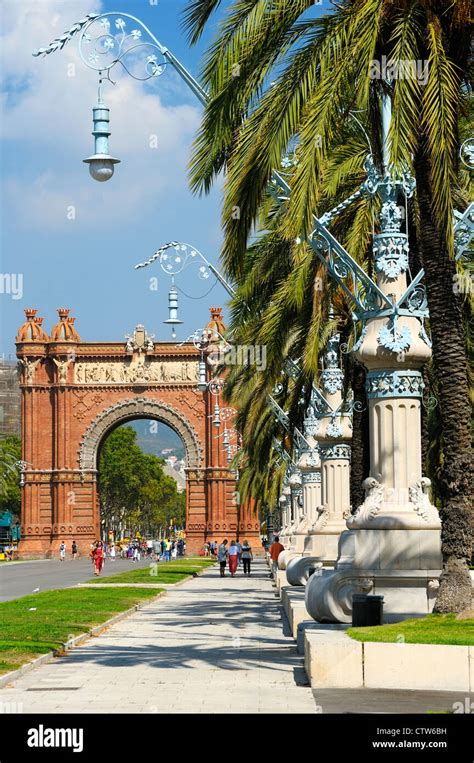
<point x="67" y="240"/>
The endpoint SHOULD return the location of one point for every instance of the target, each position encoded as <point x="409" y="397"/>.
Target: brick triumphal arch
<point x="73" y="393"/>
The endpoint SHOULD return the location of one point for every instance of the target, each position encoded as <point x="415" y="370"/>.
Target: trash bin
<point x="366" y="610"/>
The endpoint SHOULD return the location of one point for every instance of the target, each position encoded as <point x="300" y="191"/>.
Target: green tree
<point x="276" y="71"/>
<point x="10" y="456"/>
<point x="134" y="490"/>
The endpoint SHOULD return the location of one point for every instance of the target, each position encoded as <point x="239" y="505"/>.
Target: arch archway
<point x="73" y="393"/>
<point x="136" y="408"/>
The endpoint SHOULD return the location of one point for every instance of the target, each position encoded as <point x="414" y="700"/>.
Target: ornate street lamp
<point x="173" y="319"/>
<point x="175" y="257"/>
<point x="104" y="42"/>
<point x="101" y="164"/>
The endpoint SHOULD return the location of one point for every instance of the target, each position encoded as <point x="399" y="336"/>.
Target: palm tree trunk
<point x="360" y="462"/>
<point x="450" y="366"/>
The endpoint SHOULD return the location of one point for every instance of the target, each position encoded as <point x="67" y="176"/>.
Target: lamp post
<point x="101" y="164"/>
<point x="107" y="40"/>
<point x="173" y="259"/>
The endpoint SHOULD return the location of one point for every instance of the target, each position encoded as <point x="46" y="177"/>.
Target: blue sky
<point x="66" y="240"/>
<point x="74" y="241"/>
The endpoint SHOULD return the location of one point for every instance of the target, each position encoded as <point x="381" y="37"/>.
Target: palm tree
<point x="321" y="69"/>
<point x="10" y="462"/>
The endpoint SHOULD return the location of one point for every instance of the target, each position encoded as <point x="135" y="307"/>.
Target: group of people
<point x="171" y="549"/>
<point x="209" y="548"/>
<point x="165" y="550"/>
<point x="63" y="549"/>
<point x="236" y="554"/>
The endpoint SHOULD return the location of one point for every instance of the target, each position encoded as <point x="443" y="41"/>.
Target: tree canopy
<point x="10" y="456"/>
<point x="133" y="488"/>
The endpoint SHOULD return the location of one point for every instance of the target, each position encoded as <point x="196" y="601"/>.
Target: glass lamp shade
<point x="101" y="166"/>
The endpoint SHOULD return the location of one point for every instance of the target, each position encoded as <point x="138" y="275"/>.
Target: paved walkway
<point x="210" y="645"/>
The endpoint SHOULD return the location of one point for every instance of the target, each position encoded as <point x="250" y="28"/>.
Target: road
<point x="23" y="578"/>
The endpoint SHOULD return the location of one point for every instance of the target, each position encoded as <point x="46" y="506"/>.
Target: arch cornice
<point x="127" y="410"/>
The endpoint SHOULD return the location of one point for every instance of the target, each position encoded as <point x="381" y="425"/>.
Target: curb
<point x="76" y="641"/>
<point x="166" y="586"/>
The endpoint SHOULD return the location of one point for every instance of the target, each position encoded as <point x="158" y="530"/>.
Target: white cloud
<point x="51" y="113"/>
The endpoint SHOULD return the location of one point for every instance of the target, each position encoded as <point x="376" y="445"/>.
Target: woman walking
<point x="233" y="557"/>
<point x="222" y="555"/>
<point x="247" y="557"/>
<point x="98" y="554"/>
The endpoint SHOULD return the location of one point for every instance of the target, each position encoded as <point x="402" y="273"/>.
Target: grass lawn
<point x="159" y="572"/>
<point x="432" y="629"/>
<point x="38" y="623"/>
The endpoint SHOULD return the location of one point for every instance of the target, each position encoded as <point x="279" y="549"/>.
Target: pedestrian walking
<point x="275" y="550"/>
<point x="112" y="552"/>
<point x="233" y="558"/>
<point x="74" y="549"/>
<point x="98" y="556"/>
<point x="239" y="552"/>
<point x="62" y="551"/>
<point x="168" y="550"/>
<point x="222" y="555"/>
<point x="247" y="557"/>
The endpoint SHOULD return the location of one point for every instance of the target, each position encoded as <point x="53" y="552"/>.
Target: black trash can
<point x="366" y="610"/>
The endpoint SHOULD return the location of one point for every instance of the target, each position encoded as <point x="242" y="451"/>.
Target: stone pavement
<point x="209" y="645"/>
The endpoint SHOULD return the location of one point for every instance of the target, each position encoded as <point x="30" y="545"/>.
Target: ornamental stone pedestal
<point x="293" y="539"/>
<point x="326" y="474"/>
<point x="393" y="543"/>
<point x="334" y="439"/>
<point x="285" y="505"/>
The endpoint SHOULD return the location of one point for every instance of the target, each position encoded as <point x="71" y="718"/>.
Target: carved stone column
<point x="285" y="515"/>
<point x="296" y="487"/>
<point x="393" y="544"/>
<point x="334" y="436"/>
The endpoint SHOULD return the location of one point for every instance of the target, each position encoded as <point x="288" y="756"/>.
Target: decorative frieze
<point x="340" y="450"/>
<point x="311" y="477"/>
<point x="384" y="384"/>
<point x="152" y="371"/>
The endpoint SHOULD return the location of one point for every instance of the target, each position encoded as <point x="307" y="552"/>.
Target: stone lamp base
<point x="402" y="565"/>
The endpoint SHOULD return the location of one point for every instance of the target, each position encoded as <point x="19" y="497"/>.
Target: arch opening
<point x="138" y="408"/>
<point x="141" y="484"/>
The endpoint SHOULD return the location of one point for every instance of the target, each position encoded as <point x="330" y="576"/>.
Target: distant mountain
<point x="155" y="437"/>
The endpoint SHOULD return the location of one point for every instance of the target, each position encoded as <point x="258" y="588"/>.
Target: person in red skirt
<point x="233" y="557"/>
<point x="98" y="557"/>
